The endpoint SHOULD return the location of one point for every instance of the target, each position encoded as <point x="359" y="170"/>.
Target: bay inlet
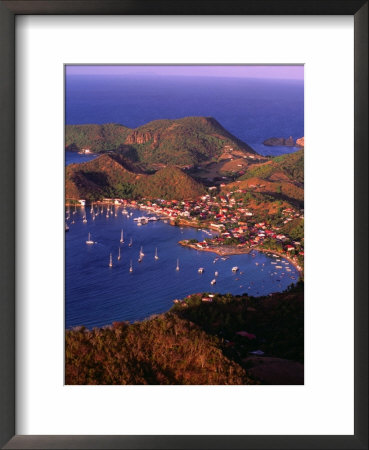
<point x="97" y="295"/>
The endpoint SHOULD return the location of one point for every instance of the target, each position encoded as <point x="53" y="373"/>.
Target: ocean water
<point x="98" y="295"/>
<point x="73" y="157"/>
<point x="253" y="110"/>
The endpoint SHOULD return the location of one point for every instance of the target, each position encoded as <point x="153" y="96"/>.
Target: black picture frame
<point x="8" y="12"/>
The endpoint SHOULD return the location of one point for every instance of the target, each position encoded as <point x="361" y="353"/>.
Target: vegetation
<point x="196" y="342"/>
<point x="108" y="177"/>
<point x="182" y="142"/>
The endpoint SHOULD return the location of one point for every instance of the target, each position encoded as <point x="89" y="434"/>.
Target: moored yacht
<point x="89" y="241"/>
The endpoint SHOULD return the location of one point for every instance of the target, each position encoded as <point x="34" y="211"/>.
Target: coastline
<point x="220" y="250"/>
<point x="229" y="251"/>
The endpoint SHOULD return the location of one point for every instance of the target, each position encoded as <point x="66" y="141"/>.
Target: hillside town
<point x="235" y="226"/>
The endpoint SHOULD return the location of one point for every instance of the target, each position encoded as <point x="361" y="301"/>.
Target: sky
<point x="287" y="72"/>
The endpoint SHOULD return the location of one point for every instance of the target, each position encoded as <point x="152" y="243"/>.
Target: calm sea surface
<point x="253" y="110"/>
<point x="97" y="295"/>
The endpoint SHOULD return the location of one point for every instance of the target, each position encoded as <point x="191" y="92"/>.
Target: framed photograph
<point x="184" y="235"/>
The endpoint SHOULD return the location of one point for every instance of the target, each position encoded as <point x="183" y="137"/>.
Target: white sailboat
<point x="156" y="254"/>
<point x="89" y="241"/>
<point x="121" y="237"/>
<point x="141" y="252"/>
<point x="213" y="281"/>
<point x="84" y="219"/>
<point x="111" y="260"/>
<point x="216" y="273"/>
<point x="131" y="267"/>
<point x="130" y="243"/>
<point x="177" y="268"/>
<point x="118" y="253"/>
<point x="92" y="208"/>
<point x="200" y="270"/>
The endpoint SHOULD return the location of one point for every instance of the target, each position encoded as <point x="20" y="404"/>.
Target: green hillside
<point x="182" y="142"/>
<point x="108" y="177"/>
<point x="196" y="342"/>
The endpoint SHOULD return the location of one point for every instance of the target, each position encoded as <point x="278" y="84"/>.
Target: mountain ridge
<point x="183" y="142"/>
<point x="105" y="177"/>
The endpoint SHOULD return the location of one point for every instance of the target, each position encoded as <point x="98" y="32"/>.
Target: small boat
<point x="121" y="237"/>
<point x="66" y="227"/>
<point x="84" y="219"/>
<point x="200" y="270"/>
<point x="234" y="269"/>
<point x="89" y="241"/>
<point x="93" y="216"/>
<point x="213" y="281"/>
<point x="156" y="254"/>
<point x="131" y="267"/>
<point x="107" y="215"/>
<point x="118" y="253"/>
<point x="92" y="208"/>
<point x="130" y="243"/>
<point x="177" y="268"/>
<point x="278" y="267"/>
<point x="111" y="260"/>
<point x="141" y="252"/>
<point x="216" y="273"/>
<point x="75" y="209"/>
<point x="215" y="260"/>
<point x="139" y="224"/>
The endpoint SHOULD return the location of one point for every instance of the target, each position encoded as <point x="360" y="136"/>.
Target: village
<point x="239" y="229"/>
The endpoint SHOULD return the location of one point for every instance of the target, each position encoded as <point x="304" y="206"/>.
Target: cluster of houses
<point x="230" y="216"/>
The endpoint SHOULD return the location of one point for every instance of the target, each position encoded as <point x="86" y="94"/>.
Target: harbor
<point x="117" y="270"/>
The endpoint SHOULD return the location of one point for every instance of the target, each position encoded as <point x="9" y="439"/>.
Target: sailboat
<point x="213" y="281"/>
<point x="121" y="237"/>
<point x="177" y="268"/>
<point x="92" y="208"/>
<point x="84" y="219"/>
<point x="216" y="273"/>
<point x="130" y="243"/>
<point x="131" y="267"/>
<point x="89" y="239"/>
<point x="142" y="253"/>
<point x="118" y="253"/>
<point x="156" y="254"/>
<point x="111" y="260"/>
<point x="75" y="209"/>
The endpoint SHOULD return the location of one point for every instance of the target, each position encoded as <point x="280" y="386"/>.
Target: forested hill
<point x="181" y="142"/>
<point x="278" y="179"/>
<point x="108" y="176"/>
<point x="197" y="342"/>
